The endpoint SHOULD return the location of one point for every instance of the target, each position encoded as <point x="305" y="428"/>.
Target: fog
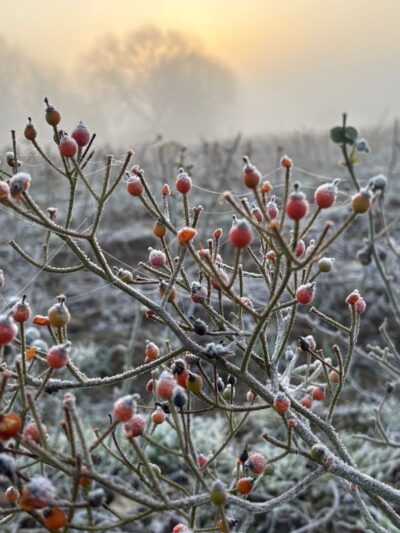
<point x="149" y="82"/>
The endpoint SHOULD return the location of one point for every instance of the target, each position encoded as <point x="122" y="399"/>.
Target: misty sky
<point x="295" y="63"/>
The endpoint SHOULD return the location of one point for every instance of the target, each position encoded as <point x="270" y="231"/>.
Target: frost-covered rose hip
<point x="135" y="426"/>
<point x="8" y="330"/>
<point x="240" y="234"/>
<point x="325" y="195"/>
<point x="286" y="162"/>
<point x="186" y="234"/>
<point x="124" y="408"/>
<point x="68" y="146"/>
<point x="244" y="485"/>
<point x="360" y="306"/>
<point x="183" y="182"/>
<point x="134" y="185"/>
<point x="54" y="518"/>
<point x="306" y="402"/>
<point x="305" y="293"/>
<point x="53" y="117"/>
<point x="353" y="297"/>
<point x="361" y="201"/>
<point x="281" y="403"/>
<point x="256" y="462"/>
<point x="157" y="258"/>
<point x="251" y="175"/>
<point x="198" y="293"/>
<point x="4" y="192"/>
<point x="58" y="313"/>
<point x="297" y="205"/>
<point x="152" y="351"/>
<point x="257" y="214"/>
<point x="21" y="310"/>
<point x="31" y="432"/>
<point x="58" y="355"/>
<point x="166" y="385"/>
<point x="81" y="134"/>
<point x="158" y="416"/>
<point x="19" y="183"/>
<point x="30" y="132"/>
<point x="10" y="425"/>
<point x="38" y="493"/>
<point x="272" y="209"/>
<point x="318" y="393"/>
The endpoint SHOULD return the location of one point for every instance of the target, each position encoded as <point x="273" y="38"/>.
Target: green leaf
<point x="351" y="134"/>
<point x="337" y="134"/>
<point x="341" y="135"/>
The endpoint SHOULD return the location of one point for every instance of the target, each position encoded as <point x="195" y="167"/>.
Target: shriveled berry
<point x="81" y="134"/>
<point x="135" y="426"/>
<point x="305" y="293"/>
<point x="240" y="234"/>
